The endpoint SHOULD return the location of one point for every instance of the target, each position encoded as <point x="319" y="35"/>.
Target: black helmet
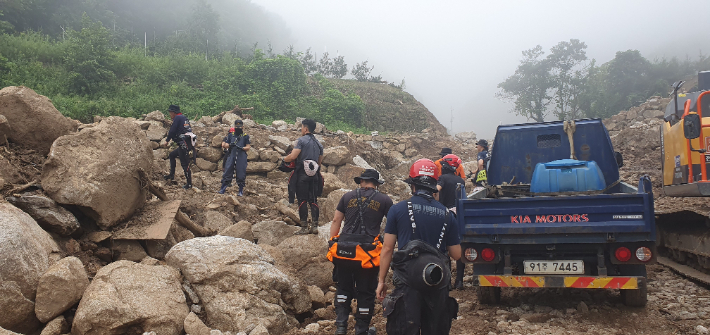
<point x="369" y="174"/>
<point x="174" y="109"/>
<point x="238" y="123"/>
<point x="482" y="143"/>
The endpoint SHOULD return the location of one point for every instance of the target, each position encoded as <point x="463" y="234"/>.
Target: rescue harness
<point x="360" y="246"/>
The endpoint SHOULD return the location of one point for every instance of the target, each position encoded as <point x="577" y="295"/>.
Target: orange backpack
<point x="360" y="246"/>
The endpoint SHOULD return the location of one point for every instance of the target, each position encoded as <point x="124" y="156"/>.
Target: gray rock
<point x="126" y="295"/>
<point x="260" y="167"/>
<point x="156" y="132"/>
<point x="210" y="154"/>
<point x="155" y="116"/>
<point x="128" y="250"/>
<point x="281" y="142"/>
<point x="241" y="229"/>
<point x="47" y="213"/>
<point x="57" y="326"/>
<point x="206" y="165"/>
<point x="336" y="156"/>
<point x="60" y="288"/>
<point x="361" y="162"/>
<point x="216" y="221"/>
<point x="229" y="119"/>
<point x="26" y="252"/>
<point x="304" y="254"/>
<point x="238" y="284"/>
<point x="195" y="326"/>
<point x="272" y="232"/>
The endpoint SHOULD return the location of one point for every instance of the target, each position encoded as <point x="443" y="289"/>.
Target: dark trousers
<point x="460" y="267"/>
<point x="306" y="188"/>
<point x="235" y="162"/>
<point x="181" y="152"/>
<point x="415" y="312"/>
<point x="361" y="284"/>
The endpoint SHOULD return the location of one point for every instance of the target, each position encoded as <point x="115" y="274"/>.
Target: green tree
<point x="325" y="65"/>
<point x="361" y="71"/>
<point x="339" y="68"/>
<point x="568" y="75"/>
<point x="308" y="62"/>
<point x="528" y="88"/>
<point x="88" y="58"/>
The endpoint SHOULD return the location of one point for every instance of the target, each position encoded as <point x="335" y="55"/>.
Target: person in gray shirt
<point x="308" y="155"/>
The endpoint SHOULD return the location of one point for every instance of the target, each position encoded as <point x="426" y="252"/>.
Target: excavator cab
<point x="685" y="140"/>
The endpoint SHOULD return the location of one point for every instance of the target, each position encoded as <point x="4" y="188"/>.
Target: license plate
<point x="554" y="267"/>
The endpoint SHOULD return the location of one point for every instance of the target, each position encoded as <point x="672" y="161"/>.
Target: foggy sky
<point x="453" y="53"/>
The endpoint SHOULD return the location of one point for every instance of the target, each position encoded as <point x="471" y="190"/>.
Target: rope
<point x="570" y="127"/>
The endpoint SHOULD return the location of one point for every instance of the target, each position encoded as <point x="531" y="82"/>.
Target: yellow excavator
<point x="684" y="229"/>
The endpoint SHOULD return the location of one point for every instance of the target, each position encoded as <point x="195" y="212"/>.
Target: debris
<point x="60" y="288"/>
<point x="47" y="213"/>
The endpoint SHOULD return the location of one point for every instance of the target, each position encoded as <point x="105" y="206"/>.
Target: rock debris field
<point x="94" y="241"/>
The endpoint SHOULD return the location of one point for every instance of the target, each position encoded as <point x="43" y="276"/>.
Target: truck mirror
<point x="619" y="159"/>
<point x="691" y="126"/>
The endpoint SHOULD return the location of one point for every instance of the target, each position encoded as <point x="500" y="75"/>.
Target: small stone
<point x="312" y="328"/>
<point x="582" y="307"/>
<point x="215" y="332"/>
<point x="259" y="330"/>
<point x="701" y="330"/>
<point x="197" y="309"/>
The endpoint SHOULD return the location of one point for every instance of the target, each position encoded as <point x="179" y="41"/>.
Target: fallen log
<point x="196" y="229"/>
<point x="285" y="210"/>
<point x="152" y="188"/>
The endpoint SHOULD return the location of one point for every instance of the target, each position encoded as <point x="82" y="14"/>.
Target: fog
<point x="453" y="53"/>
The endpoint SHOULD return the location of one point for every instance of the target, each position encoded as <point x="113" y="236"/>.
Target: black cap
<point x="482" y="143"/>
<point x="238" y="123"/>
<point x="445" y="151"/>
<point x="369" y="174"/>
<point x="174" y="109"/>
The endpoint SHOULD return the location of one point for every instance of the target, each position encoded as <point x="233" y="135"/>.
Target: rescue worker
<point x="424" y="230"/>
<point x="480" y="179"/>
<point x="363" y="210"/>
<point x="237" y="143"/>
<point x="447" y="186"/>
<point x="447" y="151"/>
<point x="180" y="127"/>
<point x="308" y="183"/>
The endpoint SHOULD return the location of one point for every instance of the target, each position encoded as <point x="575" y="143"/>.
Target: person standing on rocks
<point x="238" y="143"/>
<point x="448" y="185"/>
<point x="481" y="178"/>
<point x="447" y="151"/>
<point x="180" y="127"/>
<point x="363" y="210"/>
<point x="308" y="155"/>
<point x="425" y="231"/>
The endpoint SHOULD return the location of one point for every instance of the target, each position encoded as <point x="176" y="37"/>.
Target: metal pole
<point x="145" y="44"/>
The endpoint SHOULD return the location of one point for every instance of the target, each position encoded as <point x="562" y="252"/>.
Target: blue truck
<point x="542" y="222"/>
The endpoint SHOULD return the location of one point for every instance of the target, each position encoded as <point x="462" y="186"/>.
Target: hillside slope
<point x="388" y="108"/>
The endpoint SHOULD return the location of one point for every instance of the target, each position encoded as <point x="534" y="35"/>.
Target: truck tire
<point x="488" y="295"/>
<point x="635" y="298"/>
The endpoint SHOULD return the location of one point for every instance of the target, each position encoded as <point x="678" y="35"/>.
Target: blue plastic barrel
<point x="567" y="175"/>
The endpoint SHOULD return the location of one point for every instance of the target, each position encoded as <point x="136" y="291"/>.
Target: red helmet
<point x="453" y="160"/>
<point x="424" y="173"/>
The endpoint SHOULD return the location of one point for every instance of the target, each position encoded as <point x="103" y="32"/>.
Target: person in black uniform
<point x="363" y="210"/>
<point x="308" y="155"/>
<point x="480" y="178"/>
<point x="423" y="224"/>
<point x="447" y="186"/>
<point x="180" y="127"/>
<point x="238" y="143"/>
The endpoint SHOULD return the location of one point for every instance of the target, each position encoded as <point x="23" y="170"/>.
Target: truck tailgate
<point x="551" y="219"/>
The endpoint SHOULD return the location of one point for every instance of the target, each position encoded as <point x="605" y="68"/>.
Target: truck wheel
<point x="635" y="298"/>
<point x="489" y="295"/>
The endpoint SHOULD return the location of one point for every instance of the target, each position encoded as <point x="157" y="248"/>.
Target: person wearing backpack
<point x="180" y="133"/>
<point x="238" y="143"/>
<point x="425" y="231"/>
<point x="355" y="251"/>
<point x="308" y="182"/>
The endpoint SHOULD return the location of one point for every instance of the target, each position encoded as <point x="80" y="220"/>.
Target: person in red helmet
<point x="425" y="231"/>
<point x="447" y="151"/>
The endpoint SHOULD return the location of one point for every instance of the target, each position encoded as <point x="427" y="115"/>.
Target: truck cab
<point x="546" y="220"/>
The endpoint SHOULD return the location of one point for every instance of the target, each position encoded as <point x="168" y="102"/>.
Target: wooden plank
<point x="152" y="223"/>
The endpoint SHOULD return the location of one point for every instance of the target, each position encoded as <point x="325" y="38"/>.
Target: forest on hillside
<point x="129" y="57"/>
<point x="564" y="84"/>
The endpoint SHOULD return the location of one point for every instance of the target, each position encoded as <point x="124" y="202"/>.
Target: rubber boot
<point x="372" y="331"/>
<point x="362" y="325"/>
<point x="241" y="191"/>
<point x="223" y="189"/>
<point x="169" y="177"/>
<point x="188" y="178"/>
<point x="458" y="285"/>
<point x="313" y="228"/>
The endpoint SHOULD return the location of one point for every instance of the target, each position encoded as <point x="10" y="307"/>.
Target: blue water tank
<point x="567" y="175"/>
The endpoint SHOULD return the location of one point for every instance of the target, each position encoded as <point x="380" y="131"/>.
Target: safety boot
<point x="187" y="186"/>
<point x="305" y="229"/>
<point x="241" y="191"/>
<point x="169" y="177"/>
<point x="458" y="285"/>
<point x="313" y="228"/>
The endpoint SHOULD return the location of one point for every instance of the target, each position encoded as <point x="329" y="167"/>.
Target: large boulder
<point x="331" y="183"/>
<point x="336" y="156"/>
<point x="269" y="156"/>
<point x="331" y="202"/>
<point x="241" y="229"/>
<point x="206" y="165"/>
<point x="348" y="172"/>
<point x="8" y="172"/>
<point x="210" y="154"/>
<point x="272" y="232"/>
<point x="47" y="213"/>
<point x="238" y="284"/>
<point x="305" y="255"/>
<point x="131" y="296"/>
<point x="26" y="252"/>
<point x="216" y="221"/>
<point x="34" y="120"/>
<point x="5" y="129"/>
<point x="260" y="167"/>
<point x="97" y="170"/>
<point x="229" y="119"/>
<point x="60" y="288"/>
<point x="281" y="142"/>
<point x="156" y="132"/>
<point x="155" y="116"/>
